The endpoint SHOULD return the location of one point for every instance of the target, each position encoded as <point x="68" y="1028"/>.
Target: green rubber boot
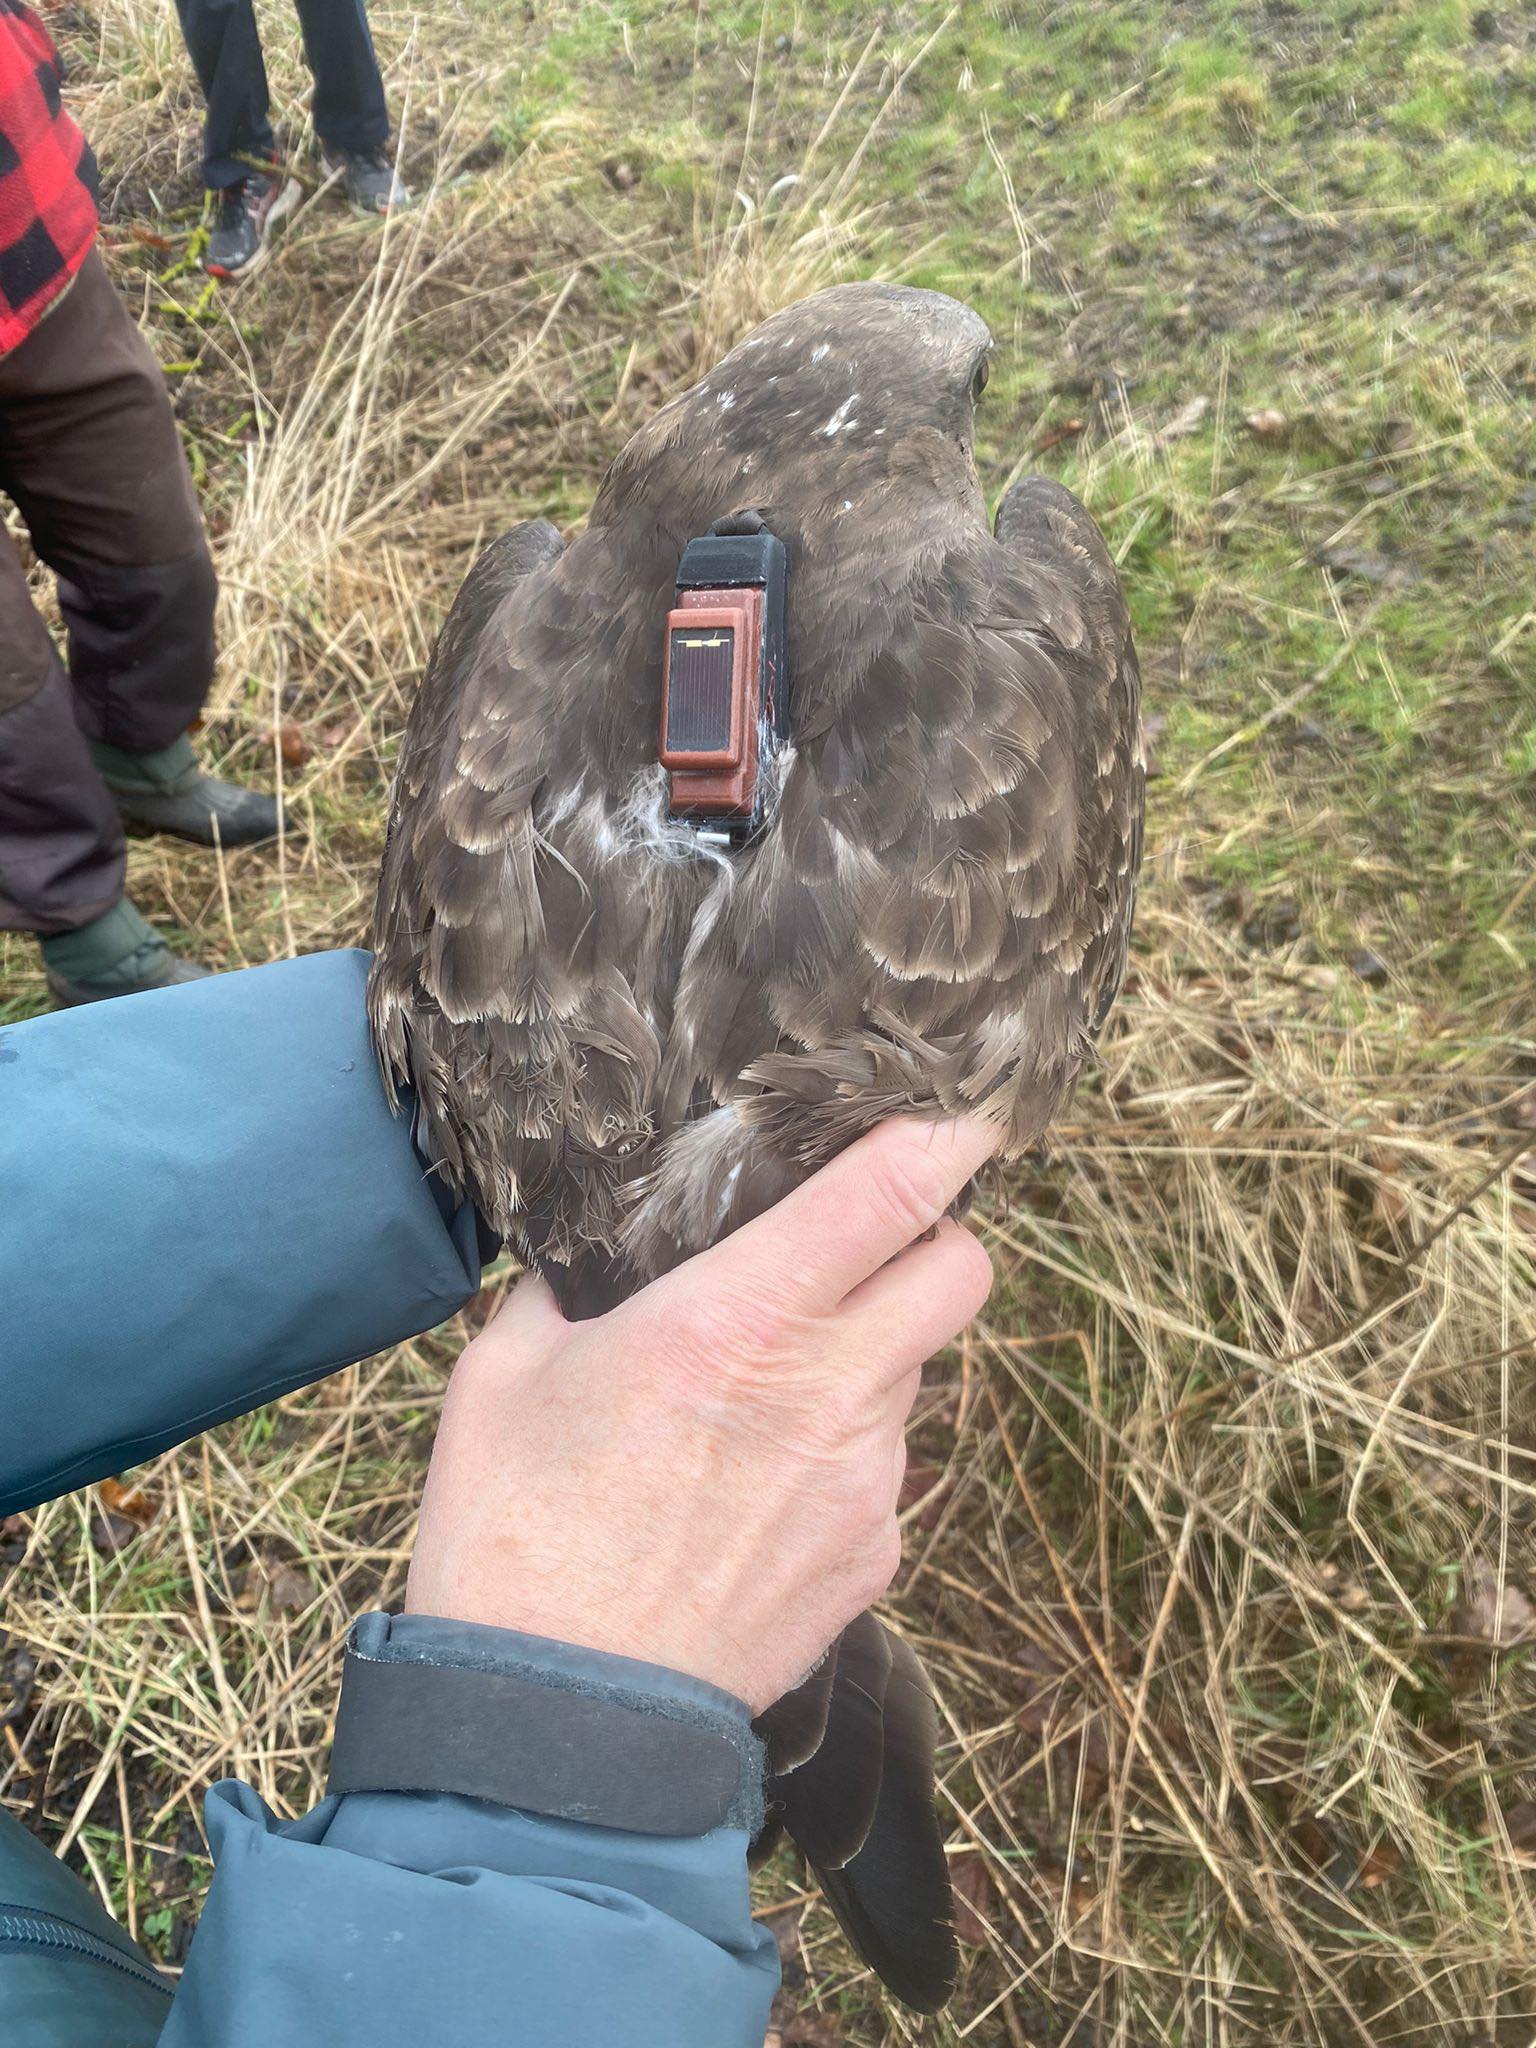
<point x="117" y="954"/>
<point x="167" y="792"/>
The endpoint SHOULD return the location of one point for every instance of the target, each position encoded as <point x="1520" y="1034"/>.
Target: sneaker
<point x="247" y="214"/>
<point x="117" y="954"/>
<point x="370" y="179"/>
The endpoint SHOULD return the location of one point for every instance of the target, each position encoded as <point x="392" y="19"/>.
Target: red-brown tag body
<point x="709" y="702"/>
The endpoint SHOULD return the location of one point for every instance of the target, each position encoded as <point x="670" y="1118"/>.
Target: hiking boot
<point x="369" y="178"/>
<point x="168" y="792"/>
<point x="247" y="214"/>
<point x="117" y="954"/>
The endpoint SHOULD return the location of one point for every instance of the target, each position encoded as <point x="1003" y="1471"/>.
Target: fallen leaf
<point x="132" y="1501"/>
<point x="293" y="745"/>
<point x="1390" y="1201"/>
<point x="1520" y="1825"/>
<point x="785" y="1929"/>
<point x="1068" y="430"/>
<point x="1379" y="1864"/>
<point x="1489" y="1613"/>
<point x="1485" y="1618"/>
<point x="281" y="1587"/>
<point x="1312" y="1841"/>
<point x="290" y="1589"/>
<point x="110" y="1533"/>
<point x="1185" y="421"/>
<point x="975" y="1898"/>
<point x="1267" y="424"/>
<point x="809" y="2029"/>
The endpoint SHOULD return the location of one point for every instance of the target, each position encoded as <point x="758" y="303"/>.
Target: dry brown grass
<point x="1212" y="1510"/>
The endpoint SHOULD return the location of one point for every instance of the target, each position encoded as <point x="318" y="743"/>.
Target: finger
<point x="915" y="1305"/>
<point x="846" y="1221"/>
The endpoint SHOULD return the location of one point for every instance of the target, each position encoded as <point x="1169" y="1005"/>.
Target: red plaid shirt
<point x="47" y="178"/>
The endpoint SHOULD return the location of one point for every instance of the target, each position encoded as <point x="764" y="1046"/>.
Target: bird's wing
<point x="516" y="956"/>
<point x="1039" y="521"/>
<point x="422" y="885"/>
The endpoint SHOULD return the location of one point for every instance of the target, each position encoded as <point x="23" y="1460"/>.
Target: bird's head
<point x="859" y="395"/>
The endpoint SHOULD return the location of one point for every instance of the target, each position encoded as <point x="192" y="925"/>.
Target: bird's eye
<point x="979" y="381"/>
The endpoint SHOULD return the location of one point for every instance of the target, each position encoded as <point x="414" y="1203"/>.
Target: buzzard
<point x="628" y="1029"/>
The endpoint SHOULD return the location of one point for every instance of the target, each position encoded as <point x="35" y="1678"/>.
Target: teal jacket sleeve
<point x="205" y="1201"/>
<point x="391" y="1919"/>
<point x="398" y="1917"/>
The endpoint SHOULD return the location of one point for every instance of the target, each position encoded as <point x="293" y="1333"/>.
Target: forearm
<point x="446" y="1917"/>
<point x="204" y="1202"/>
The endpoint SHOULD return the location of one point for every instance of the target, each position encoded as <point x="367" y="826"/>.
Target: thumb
<point x="528" y="1321"/>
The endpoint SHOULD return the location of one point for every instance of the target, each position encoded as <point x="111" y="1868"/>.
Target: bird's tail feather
<point x="860" y="1807"/>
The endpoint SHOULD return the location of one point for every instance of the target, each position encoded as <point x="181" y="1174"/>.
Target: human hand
<point x="706" y="1478"/>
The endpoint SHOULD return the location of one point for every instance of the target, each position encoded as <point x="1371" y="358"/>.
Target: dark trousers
<point x="90" y="457"/>
<point x="226" y="54"/>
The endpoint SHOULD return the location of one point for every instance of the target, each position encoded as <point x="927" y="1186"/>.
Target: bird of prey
<point x="625" y="1034"/>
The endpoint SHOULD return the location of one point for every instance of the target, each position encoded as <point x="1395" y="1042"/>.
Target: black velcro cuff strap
<point x="442" y="1706"/>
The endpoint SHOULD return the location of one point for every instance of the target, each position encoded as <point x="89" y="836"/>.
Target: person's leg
<point x="225" y="49"/>
<point x="90" y="455"/>
<point x="61" y="840"/>
<point x="62" y="855"/>
<point x="350" y="114"/>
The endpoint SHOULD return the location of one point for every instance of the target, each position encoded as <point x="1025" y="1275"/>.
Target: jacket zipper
<point x="21" y="1927"/>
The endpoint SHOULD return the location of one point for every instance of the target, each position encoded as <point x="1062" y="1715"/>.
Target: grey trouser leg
<point x="62" y="856"/>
